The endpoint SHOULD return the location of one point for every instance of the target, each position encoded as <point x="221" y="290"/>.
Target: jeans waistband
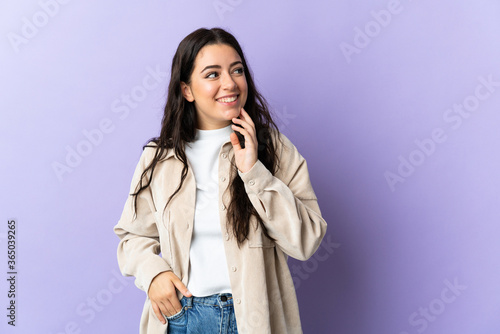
<point x="219" y="299"/>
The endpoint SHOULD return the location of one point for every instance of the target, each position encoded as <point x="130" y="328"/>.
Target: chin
<point x="232" y="113"/>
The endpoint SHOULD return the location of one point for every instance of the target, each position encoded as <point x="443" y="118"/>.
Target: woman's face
<point x="218" y="86"/>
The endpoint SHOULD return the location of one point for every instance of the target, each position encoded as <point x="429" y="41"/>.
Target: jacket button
<point x="223" y="207"/>
<point x="223" y="179"/>
<point x="226" y="236"/>
<point x="238" y="301"/>
<point x="224" y="155"/>
<point x="233" y="268"/>
<point x="251" y="182"/>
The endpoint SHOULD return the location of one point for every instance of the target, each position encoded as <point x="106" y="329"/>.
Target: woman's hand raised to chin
<point x="245" y="157"/>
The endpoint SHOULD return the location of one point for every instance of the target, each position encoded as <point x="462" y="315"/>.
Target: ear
<point x="186" y="92"/>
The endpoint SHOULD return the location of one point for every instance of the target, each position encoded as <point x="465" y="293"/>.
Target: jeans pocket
<point x="177" y="316"/>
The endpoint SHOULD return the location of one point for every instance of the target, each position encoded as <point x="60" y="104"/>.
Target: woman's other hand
<point x="245" y="157"/>
<point x="163" y="295"/>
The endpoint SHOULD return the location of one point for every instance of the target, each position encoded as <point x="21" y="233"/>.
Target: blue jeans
<point x="204" y="315"/>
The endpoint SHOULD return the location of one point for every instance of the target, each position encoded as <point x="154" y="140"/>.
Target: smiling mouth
<point x="228" y="99"/>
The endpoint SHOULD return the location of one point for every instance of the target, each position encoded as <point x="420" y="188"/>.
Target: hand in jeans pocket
<point x="163" y="295"/>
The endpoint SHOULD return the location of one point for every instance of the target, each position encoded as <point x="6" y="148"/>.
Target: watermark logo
<point x="94" y="137"/>
<point x="364" y="36"/>
<point x="303" y="271"/>
<point x="454" y="116"/>
<point x="282" y="118"/>
<point x="223" y="6"/>
<point x="89" y="309"/>
<point x="421" y="318"/>
<point x="31" y="26"/>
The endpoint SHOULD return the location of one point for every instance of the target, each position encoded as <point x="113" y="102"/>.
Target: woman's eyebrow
<point x="218" y="66"/>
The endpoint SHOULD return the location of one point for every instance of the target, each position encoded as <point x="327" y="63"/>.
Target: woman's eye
<point x="239" y="70"/>
<point x="212" y="75"/>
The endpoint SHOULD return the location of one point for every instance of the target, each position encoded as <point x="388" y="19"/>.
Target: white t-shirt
<point x="208" y="273"/>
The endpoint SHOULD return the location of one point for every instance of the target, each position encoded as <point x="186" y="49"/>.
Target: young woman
<point x="224" y="197"/>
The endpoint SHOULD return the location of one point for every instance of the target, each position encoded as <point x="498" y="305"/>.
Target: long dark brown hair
<point x="178" y="126"/>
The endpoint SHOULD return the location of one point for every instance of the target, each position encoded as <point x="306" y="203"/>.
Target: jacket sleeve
<point x="287" y="203"/>
<point x="139" y="246"/>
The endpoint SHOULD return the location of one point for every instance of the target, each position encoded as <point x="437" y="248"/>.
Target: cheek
<point x="206" y="90"/>
<point x="242" y="86"/>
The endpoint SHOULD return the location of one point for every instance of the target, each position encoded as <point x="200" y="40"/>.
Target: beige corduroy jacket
<point x="261" y="283"/>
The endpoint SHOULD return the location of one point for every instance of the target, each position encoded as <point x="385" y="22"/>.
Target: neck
<point x="212" y="126"/>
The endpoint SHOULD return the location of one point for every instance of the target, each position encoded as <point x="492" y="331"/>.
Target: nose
<point x="227" y="82"/>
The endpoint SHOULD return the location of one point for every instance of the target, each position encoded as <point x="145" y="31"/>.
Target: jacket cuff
<point x="257" y="178"/>
<point x="149" y="270"/>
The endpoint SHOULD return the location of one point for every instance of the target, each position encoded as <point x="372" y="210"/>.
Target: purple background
<point x="394" y="251"/>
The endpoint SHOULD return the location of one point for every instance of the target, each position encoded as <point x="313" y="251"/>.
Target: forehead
<point x="216" y="54"/>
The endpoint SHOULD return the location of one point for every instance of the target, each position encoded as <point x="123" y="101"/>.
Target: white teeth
<point x="227" y="99"/>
